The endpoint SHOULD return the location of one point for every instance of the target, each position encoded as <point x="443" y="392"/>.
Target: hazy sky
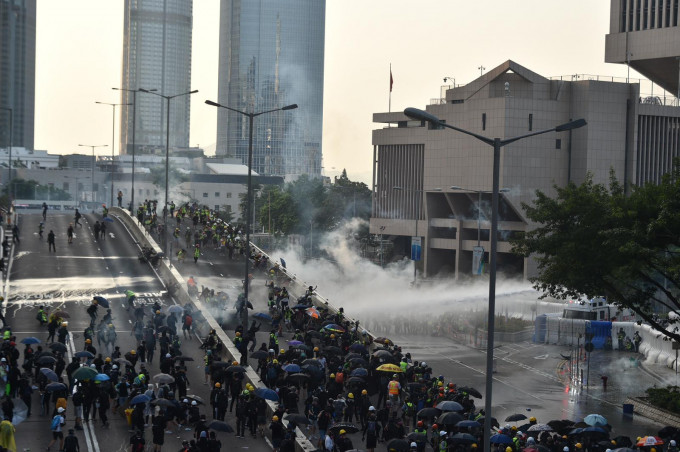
<point x="79" y="59"/>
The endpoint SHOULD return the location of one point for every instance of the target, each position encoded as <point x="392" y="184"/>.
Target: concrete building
<point x="272" y="55"/>
<point x="156" y="55"/>
<point x="645" y="35"/>
<point x="637" y="140"/>
<point x="17" y="72"/>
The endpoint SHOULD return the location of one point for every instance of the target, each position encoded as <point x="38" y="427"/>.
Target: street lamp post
<point x="113" y="139"/>
<point x="9" y="165"/>
<point x="251" y="116"/>
<point x="134" y="129"/>
<point x="167" y="157"/>
<point x="93" y="146"/>
<point x="497" y="144"/>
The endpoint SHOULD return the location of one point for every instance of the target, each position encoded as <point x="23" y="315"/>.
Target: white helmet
<point x="566" y="449"/>
<point x="673" y="443"/>
<point x="413" y="444"/>
<point x="442" y="433"/>
<point x="371" y="408"/>
<point x="115" y="366"/>
<point x="194" y="403"/>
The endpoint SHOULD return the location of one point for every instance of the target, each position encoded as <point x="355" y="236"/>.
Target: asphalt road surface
<point x="68" y="279"/>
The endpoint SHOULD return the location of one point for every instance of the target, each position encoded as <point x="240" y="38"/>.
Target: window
<point x="227" y="208"/>
<point x="217" y="194"/>
<point x="65" y="186"/>
<point x="558" y="144"/>
<point x="228" y="195"/>
<point x="483" y="121"/>
<point x="205" y="195"/>
<point x="531" y="122"/>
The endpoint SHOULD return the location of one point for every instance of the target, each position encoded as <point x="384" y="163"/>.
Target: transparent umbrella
<point x="20" y="412"/>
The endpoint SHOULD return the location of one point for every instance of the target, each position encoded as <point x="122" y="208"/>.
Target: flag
<point x="391" y="80"/>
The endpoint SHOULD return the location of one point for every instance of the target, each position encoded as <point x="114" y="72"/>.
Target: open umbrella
<point x="494" y="422"/>
<point x="595" y="420"/>
<point x="449" y="418"/>
<point x="334" y="328"/>
<point x="428" y="413"/>
<point x="389" y="368"/>
<point x="262" y="316"/>
<point x="101" y="377"/>
<point x="20" y="412"/>
<point x="625" y="449"/>
<point x="44" y="360"/>
<point x="164" y="379"/>
<point x="358" y="362"/>
<point x="123" y="362"/>
<point x="332" y="349"/>
<point x="666" y="432"/>
<point x="515" y="417"/>
<point x="298" y="419"/>
<point x="267" y="394"/>
<point x="346" y="426"/>
<point x="314" y="371"/>
<point x="649" y="441"/>
<point x="350" y="356"/>
<point x="359" y="372"/>
<point x="594" y="431"/>
<point x="295" y="342"/>
<point x="259" y="354"/>
<point x="84" y="354"/>
<point x="236" y="369"/>
<point x="540" y="428"/>
<point x="297" y="378"/>
<point x="574" y="432"/>
<point x="313" y="313"/>
<point x="623" y="441"/>
<point x="58" y="347"/>
<point x="30" y="340"/>
<point x="291" y="368"/>
<point x="140" y="398"/>
<point x="84" y="373"/>
<point x="175" y="309"/>
<point x="398" y="445"/>
<point x="358" y="348"/>
<point x="52" y="387"/>
<point x="101" y="301"/>
<point x="468" y="424"/>
<point x="355" y="381"/>
<point x="220" y="426"/>
<point x="500" y="439"/>
<point x="162" y="402"/>
<point x="312" y="362"/>
<point x="417" y="437"/>
<point x="62" y="314"/>
<point x="471" y="392"/>
<point x="196" y="398"/>
<point x="463" y="438"/>
<point x="450" y="405"/>
<point x="384" y="354"/>
<point x="49" y="373"/>
<point x="314" y="333"/>
<point x="383" y="340"/>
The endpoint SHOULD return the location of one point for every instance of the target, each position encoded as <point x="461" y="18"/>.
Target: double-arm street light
<point x="9" y="166"/>
<point x="134" y="129"/>
<point x="167" y="157"/>
<point x="93" y="146"/>
<point x="113" y="140"/>
<point x="419" y="195"/>
<point x="497" y="144"/>
<point x="249" y="202"/>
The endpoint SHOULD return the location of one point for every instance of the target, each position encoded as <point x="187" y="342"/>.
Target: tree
<point x="593" y="240"/>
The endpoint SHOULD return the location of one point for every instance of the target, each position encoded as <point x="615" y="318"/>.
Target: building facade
<point x="17" y="72"/>
<point x="272" y="55"/>
<point x="156" y="55"/>
<point x="635" y="139"/>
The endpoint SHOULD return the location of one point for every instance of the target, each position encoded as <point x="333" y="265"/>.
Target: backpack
<point x="70" y="443"/>
<point x="188" y="320"/>
<point x="370" y="427"/>
<point x="56" y="421"/>
<point x="339" y="377"/>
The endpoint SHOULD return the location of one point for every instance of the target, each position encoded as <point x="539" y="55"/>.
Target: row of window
<point x="217" y="194"/>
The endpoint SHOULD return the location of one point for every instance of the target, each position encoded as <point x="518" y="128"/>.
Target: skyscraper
<point x="17" y="71"/>
<point x="156" y="55"/>
<point x="272" y="55"/>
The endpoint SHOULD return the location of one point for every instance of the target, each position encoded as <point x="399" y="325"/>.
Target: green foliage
<point x="667" y="398"/>
<point x="30" y="189"/>
<point x="593" y="240"/>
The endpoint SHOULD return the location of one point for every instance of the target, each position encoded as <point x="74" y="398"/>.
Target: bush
<point x="667" y="398"/>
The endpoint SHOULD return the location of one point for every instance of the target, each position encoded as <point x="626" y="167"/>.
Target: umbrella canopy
<point x="291" y="368"/>
<point x="358" y="348"/>
<point x="666" y="432"/>
<point x="58" y="347"/>
<point x="384" y="354"/>
<point x="259" y="354"/>
<point x="355" y="381"/>
<point x="298" y="419"/>
<point x="20" y="412"/>
<point x="301" y="346"/>
<point x="49" y="373"/>
<point x="108" y="219"/>
<point x="398" y="445"/>
<point x="267" y="394"/>
<point x="332" y="349"/>
<point x="417" y="437"/>
<point x="359" y="372"/>
<point x="220" y="426"/>
<point x="515" y="417"/>
<point x="101" y="377"/>
<point x="237" y="369"/>
<point x="30" y="340"/>
<point x="334" y="328"/>
<point x="595" y="430"/>
<point x="624" y="449"/>
<point x="450" y="418"/>
<point x="164" y="378"/>
<point x="162" y="402"/>
<point x="383" y="340"/>
<point x="358" y="362"/>
<point x="494" y="422"/>
<point x="312" y="362"/>
<point x="195" y="397"/>
<point x="123" y="362"/>
<point x="175" y="309"/>
<point x="84" y="354"/>
<point x="468" y="424"/>
<point x="298" y="377"/>
<point x="62" y="314"/>
<point x="450" y="405"/>
<point x="649" y="441"/>
<point x="295" y="342"/>
<point x="623" y="441"/>
<point x="101" y="301"/>
<point x="52" y="387"/>
<point x="471" y="392"/>
<point x="263" y="316"/>
<point x="44" y="360"/>
<point x="346" y="426"/>
<point x="313" y="313"/>
<point x="389" y="368"/>
<point x="500" y="439"/>
<point x="595" y="420"/>
<point x="576" y="431"/>
<point x="84" y="373"/>
<point x="314" y="371"/>
<point x="314" y="333"/>
<point x="428" y="413"/>
<point x="140" y="398"/>
<point x="463" y="438"/>
<point x="540" y="428"/>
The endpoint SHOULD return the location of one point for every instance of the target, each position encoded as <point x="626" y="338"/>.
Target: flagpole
<point x="390" y="101"/>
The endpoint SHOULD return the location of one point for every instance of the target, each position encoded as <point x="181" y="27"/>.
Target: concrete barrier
<point x="174" y="281"/>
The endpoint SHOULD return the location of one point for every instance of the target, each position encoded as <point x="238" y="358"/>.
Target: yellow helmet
<point x="133" y="352"/>
<point x="350" y="396"/>
<point x="532" y="419"/>
<point x="316" y="349"/>
<point x="276" y="361"/>
<point x="217" y="385"/>
<point x="64" y="324"/>
<point x="234" y="363"/>
<point x="158" y="311"/>
<point x="364" y="392"/>
<point x="332" y="376"/>
<point x="342" y="432"/>
<point x="238" y="334"/>
<point x="474" y="446"/>
<point x="440" y="383"/>
<point x="108" y="359"/>
<point x="275" y="418"/>
<point x="88" y="341"/>
<point x="578" y="445"/>
<point x="508" y="449"/>
<point x="282" y="351"/>
<point x="332" y="336"/>
<point x="387" y="342"/>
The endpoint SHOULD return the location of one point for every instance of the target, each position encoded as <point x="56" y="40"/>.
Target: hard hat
<point x="474" y="446"/>
<point x="513" y="428"/>
<point x="234" y="363"/>
<point x="115" y="366"/>
<point x="316" y="349"/>
<point x="371" y="408"/>
<point x="217" y="385"/>
<point x="653" y="449"/>
<point x="271" y="350"/>
<point x="413" y="444"/>
<point x="364" y="392"/>
<point x="350" y="396"/>
<point x="282" y="351"/>
<point x="60" y="410"/>
<point x="238" y="334"/>
<point x="578" y="445"/>
<point x="508" y="449"/>
<point x="64" y="324"/>
<point x="423" y="364"/>
<point x="435" y="426"/>
<point x="275" y="418"/>
<point x="133" y="352"/>
<point x="168" y="355"/>
<point x="565" y="449"/>
<point x="332" y="336"/>
<point x="194" y="403"/>
<point x="450" y="385"/>
<point x="332" y="376"/>
<point x="94" y="302"/>
<point x="91" y="365"/>
<point x="673" y="443"/>
<point x="395" y="376"/>
<point x="387" y="342"/>
<point x="108" y="360"/>
<point x="185" y="401"/>
<point x="276" y="361"/>
<point x="88" y="341"/>
<point x="532" y="419"/>
<point x="442" y="433"/>
<point x="342" y="432"/>
<point x="440" y="383"/>
<point x="158" y="311"/>
<point x="420" y="423"/>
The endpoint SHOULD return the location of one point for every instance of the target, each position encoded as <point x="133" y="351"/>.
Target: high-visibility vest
<point x="403" y="365"/>
<point x="393" y="387"/>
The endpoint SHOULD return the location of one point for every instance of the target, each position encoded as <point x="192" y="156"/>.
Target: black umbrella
<point x="470" y="391"/>
<point x="398" y="445"/>
<point x="358" y="362"/>
<point x="123" y="362"/>
<point x="624" y="441"/>
<point x="515" y="417"/>
<point x="350" y="356"/>
<point x="237" y="369"/>
<point x="220" y="426"/>
<point x="450" y="418"/>
<point x="384" y="354"/>
<point x="55" y="387"/>
<point x="449" y="405"/>
<point x="162" y="402"/>
<point x="44" y="360"/>
<point x="665" y="432"/>
<point x="58" y="347"/>
<point x="312" y="362"/>
<point x="494" y="422"/>
<point x="313" y="370"/>
<point x="463" y="438"/>
<point x="355" y="381"/>
<point x="45" y="353"/>
<point x="221" y="363"/>
<point x="428" y="413"/>
<point x="415" y="386"/>
<point x="304" y="347"/>
<point x="298" y="378"/>
<point x="332" y="349"/>
<point x="314" y="333"/>
<point x="347" y="427"/>
<point x="417" y="437"/>
<point x="298" y="419"/>
<point x="196" y="398"/>
<point x="260" y="354"/>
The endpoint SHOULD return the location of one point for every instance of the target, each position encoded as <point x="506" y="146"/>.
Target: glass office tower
<point x="272" y="55"/>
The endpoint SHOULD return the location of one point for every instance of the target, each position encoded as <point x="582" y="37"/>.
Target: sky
<point x="79" y="60"/>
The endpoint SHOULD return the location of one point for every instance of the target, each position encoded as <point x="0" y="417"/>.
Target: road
<point x="68" y="279"/>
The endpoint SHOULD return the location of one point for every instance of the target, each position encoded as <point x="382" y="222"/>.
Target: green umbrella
<point x="84" y="373"/>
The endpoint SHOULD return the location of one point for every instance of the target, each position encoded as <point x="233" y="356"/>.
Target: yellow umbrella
<point x="389" y="368"/>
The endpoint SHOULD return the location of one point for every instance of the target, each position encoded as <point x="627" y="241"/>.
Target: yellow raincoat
<point x="7" y="436"/>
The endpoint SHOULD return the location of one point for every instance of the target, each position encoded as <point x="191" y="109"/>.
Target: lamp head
<point x="421" y="115"/>
<point x="571" y="125"/>
<point x="290" y="107"/>
<point x="214" y="104"/>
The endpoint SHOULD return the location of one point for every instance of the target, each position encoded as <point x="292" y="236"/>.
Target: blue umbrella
<point x="108" y="219"/>
<point x="468" y="424"/>
<point x="84" y="354"/>
<point x="30" y="340"/>
<point x="141" y="398"/>
<point x="101" y="301"/>
<point x="358" y="348"/>
<point x="262" y="316"/>
<point x="300" y="306"/>
<point x="101" y="377"/>
<point x="295" y="343"/>
<point x="450" y="405"/>
<point x="55" y="387"/>
<point x="360" y="372"/>
<point x="49" y="373"/>
<point x="594" y="430"/>
<point x="175" y="308"/>
<point x="595" y="420"/>
<point x="267" y="394"/>
<point x="291" y="368"/>
<point x="576" y="431"/>
<point x="500" y="439"/>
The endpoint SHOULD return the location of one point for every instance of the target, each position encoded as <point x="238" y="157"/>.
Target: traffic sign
<point x="415" y="248"/>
